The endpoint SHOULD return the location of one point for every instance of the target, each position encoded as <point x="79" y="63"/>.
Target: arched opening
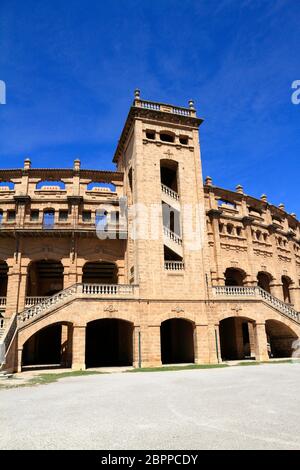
<point x="237" y="338"/>
<point x="45" y="278"/>
<point x="168" y="174"/>
<point x="286" y="284"/>
<point x="234" y="277"/>
<point x="51" y="185"/>
<point x="100" y="272"/>
<point x="264" y="281"/>
<point x="3" y="278"/>
<point x="280" y="339"/>
<point x="109" y="342"/>
<point x="50" y="347"/>
<point x="177" y="341"/>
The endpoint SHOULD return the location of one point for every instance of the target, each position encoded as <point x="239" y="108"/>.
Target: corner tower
<point x="159" y="153"/>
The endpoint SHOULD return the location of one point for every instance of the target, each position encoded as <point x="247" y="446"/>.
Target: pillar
<point x="261" y="342"/>
<point x="214" y="344"/>
<point x="295" y="297"/>
<point x="277" y="290"/>
<point x="201" y="341"/>
<point x="138" y="338"/>
<point x="78" y="347"/>
<point x="251" y="331"/>
<point x="66" y="345"/>
<point x="19" y="364"/>
<point x="151" y="347"/>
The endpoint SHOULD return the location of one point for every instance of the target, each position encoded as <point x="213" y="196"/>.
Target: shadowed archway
<point x="280" y="339"/>
<point x="237" y="338"/>
<point x="177" y="341"/>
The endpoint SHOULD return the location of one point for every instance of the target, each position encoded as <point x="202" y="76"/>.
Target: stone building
<point x="145" y="265"/>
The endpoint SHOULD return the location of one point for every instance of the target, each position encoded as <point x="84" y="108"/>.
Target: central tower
<point x="159" y="153"/>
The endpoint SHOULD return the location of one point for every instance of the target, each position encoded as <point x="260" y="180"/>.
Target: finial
<point x="27" y="164"/>
<point x="77" y="164"/>
<point x="281" y="206"/>
<point x="293" y="214"/>
<point x="191" y="104"/>
<point x="264" y="198"/>
<point x="137" y="94"/>
<point x="239" y="189"/>
<point x="208" y="181"/>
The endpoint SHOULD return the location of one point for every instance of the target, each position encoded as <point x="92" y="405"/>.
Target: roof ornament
<point x="77" y="164"/>
<point x="137" y="94"/>
<point x="208" y="181"/>
<point x="191" y="104"/>
<point x="239" y="189"/>
<point x="264" y="198"/>
<point x="27" y="164"/>
<point x="281" y="206"/>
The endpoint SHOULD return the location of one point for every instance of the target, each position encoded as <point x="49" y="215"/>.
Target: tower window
<point x="183" y="139"/>
<point x="165" y="137"/>
<point x="150" y="135"/>
<point x="11" y="216"/>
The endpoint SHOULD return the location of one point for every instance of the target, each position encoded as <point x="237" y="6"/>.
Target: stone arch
<point x="235" y="276"/>
<point x="45" y="277"/>
<point x="237" y="338"/>
<point x="100" y="272"/>
<point x="48" y="347"/>
<point x="264" y="280"/>
<point x="3" y="278"/>
<point x="109" y="342"/>
<point x="169" y="173"/>
<point x="177" y="341"/>
<point x="280" y="338"/>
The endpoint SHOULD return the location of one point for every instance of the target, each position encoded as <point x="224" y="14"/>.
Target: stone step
<point x="5" y="375"/>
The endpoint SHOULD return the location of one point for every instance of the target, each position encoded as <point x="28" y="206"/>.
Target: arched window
<point x="48" y="218"/>
<point x="101" y="187"/>
<point x="51" y="185"/>
<point x="234" y="277"/>
<point x="167" y="136"/>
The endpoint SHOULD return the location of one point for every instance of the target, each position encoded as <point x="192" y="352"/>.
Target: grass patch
<point x="250" y="363"/>
<point x="282" y="361"/>
<point x="174" y="368"/>
<point x="54" y="377"/>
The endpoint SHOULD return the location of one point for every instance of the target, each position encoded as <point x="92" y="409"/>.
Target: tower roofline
<point x="159" y="112"/>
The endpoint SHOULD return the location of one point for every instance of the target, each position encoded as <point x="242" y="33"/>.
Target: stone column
<point x="138" y="339"/>
<point x="261" y="342"/>
<point x="19" y="364"/>
<point x="78" y="347"/>
<point x="214" y="344"/>
<point x="16" y="292"/>
<point x="201" y="341"/>
<point x="277" y="290"/>
<point x="295" y="297"/>
<point x="251" y="331"/>
<point x="151" y="347"/>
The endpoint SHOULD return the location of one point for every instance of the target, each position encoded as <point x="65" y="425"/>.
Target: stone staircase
<point x="257" y="293"/>
<point x="170" y="197"/>
<point x="173" y="241"/>
<point x="50" y="304"/>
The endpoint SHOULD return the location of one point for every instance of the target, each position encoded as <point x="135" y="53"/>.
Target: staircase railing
<point x="172" y="236"/>
<point x="258" y="292"/>
<point x="165" y="189"/>
<point x="7" y="337"/>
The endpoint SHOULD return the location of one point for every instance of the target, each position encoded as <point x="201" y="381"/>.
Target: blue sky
<point x="71" y="68"/>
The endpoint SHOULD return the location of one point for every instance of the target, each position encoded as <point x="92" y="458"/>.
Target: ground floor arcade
<point x="113" y="341"/>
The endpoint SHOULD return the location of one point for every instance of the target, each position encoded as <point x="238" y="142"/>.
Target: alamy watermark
<point x="296" y="94"/>
<point x="2" y="92"/>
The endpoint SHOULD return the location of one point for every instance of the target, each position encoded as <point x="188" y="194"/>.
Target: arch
<point x="234" y="277"/>
<point x="7" y="186"/>
<point x="44" y="278"/>
<point x="237" y="338"/>
<point x="109" y="342"/>
<point x="169" y="174"/>
<point x="177" y="341"/>
<point x="3" y="278"/>
<point x="286" y="284"/>
<point x="99" y="186"/>
<point x="264" y="280"/>
<point x="48" y="218"/>
<point x="100" y="272"/>
<point x="280" y="339"/>
<point x="49" y="347"/>
<point x="51" y="185"/>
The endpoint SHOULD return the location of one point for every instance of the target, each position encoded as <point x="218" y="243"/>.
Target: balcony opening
<point x="1" y="217"/>
<point x="177" y="341"/>
<point x="264" y="281"/>
<point x="109" y="343"/>
<point x="150" y="134"/>
<point x="237" y="338"/>
<point x="280" y="339"/>
<point x="100" y="272"/>
<point x="234" y="277"/>
<point x="171" y="219"/>
<point x="50" y="347"/>
<point x="45" y="278"/>
<point x="11" y="216"/>
<point x="7" y="186"/>
<point x="51" y="185"/>
<point x="183" y="139"/>
<point x="101" y="187"/>
<point x="3" y="278"/>
<point x="286" y="285"/>
<point x="34" y="215"/>
<point x="101" y="219"/>
<point x="48" y="219"/>
<point x="169" y="174"/>
<point x="86" y="216"/>
<point x="167" y="137"/>
<point x="63" y="215"/>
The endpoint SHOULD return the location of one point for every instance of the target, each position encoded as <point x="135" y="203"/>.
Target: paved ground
<point x="254" y="407"/>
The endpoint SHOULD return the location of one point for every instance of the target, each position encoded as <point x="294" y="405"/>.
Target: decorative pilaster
<point x="78" y="347"/>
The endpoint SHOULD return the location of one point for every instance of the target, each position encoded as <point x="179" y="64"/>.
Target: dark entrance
<point x="177" y="341"/>
<point x="237" y="339"/>
<point x="109" y="342"/>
